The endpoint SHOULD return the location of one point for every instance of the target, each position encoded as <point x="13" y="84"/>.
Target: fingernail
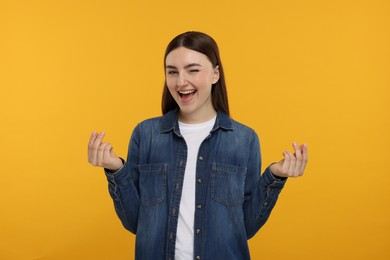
<point x="93" y="133"/>
<point x="102" y="133"/>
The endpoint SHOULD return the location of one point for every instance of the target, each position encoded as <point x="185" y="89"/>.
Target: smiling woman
<point x="190" y="77"/>
<point x="194" y="172"/>
<point x="203" y="47"/>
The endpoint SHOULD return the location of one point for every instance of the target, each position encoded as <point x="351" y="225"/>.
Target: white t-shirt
<point x="193" y="134"/>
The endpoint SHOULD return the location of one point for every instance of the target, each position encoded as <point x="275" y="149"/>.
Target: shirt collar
<point x="170" y="122"/>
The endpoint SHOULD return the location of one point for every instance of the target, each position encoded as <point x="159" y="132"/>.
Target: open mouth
<point x="184" y="94"/>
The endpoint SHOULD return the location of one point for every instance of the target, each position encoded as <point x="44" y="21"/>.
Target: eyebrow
<point x="186" y="66"/>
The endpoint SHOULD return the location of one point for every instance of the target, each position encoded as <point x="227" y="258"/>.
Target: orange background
<point x="305" y="71"/>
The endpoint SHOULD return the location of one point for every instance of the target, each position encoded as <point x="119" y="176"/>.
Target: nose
<point x="181" y="80"/>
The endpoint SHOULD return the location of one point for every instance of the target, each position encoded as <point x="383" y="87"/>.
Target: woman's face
<point x="189" y="76"/>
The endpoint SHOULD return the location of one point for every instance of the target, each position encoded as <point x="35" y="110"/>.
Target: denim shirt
<point x="232" y="199"/>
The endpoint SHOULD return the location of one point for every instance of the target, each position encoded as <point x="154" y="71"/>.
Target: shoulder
<point x="232" y="126"/>
<point x="152" y="120"/>
<point x="159" y="124"/>
<point x="147" y="128"/>
<point x="149" y="124"/>
<point x="240" y="127"/>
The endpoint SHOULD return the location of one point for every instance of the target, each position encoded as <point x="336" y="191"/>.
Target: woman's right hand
<point x="101" y="154"/>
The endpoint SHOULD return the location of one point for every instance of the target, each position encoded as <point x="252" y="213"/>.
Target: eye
<point x="194" y="70"/>
<point x="171" y="72"/>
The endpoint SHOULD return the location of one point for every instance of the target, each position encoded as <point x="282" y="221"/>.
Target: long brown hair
<point x="202" y="43"/>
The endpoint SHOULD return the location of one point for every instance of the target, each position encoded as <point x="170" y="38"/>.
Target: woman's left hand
<point x="293" y="165"/>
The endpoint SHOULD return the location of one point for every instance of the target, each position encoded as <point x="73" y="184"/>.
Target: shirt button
<point x="177" y="185"/>
<point x="201" y="158"/>
<point x="198" y="231"/>
<point x="198" y="257"/>
<point x="199" y="206"/>
<point x="199" y="181"/>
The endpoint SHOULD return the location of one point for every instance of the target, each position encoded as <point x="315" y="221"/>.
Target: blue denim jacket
<point x="232" y="200"/>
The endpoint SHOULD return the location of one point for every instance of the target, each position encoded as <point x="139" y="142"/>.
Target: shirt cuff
<point x="117" y="175"/>
<point x="269" y="179"/>
<point x="107" y="171"/>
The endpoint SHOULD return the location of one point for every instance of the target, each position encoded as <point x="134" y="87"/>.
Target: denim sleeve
<point x="261" y="197"/>
<point x="123" y="186"/>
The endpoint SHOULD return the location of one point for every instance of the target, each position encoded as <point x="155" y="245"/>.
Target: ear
<point x="216" y="75"/>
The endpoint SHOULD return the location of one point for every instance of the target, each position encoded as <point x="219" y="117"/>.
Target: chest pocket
<point x="152" y="183"/>
<point x="228" y="184"/>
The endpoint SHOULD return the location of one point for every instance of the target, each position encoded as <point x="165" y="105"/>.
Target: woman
<point x="191" y="186"/>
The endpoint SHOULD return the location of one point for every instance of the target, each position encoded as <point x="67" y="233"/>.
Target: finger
<point x="286" y="163"/>
<point x="304" y="157"/>
<point x="94" y="148"/>
<point x="107" y="154"/>
<point x="92" y="139"/>
<point x="91" y="151"/>
<point x="291" y="167"/>
<point x="98" y="140"/>
<point x="100" y="154"/>
<point x="90" y="142"/>
<point x="298" y="160"/>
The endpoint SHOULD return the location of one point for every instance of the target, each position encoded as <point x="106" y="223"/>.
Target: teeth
<point x="186" y="92"/>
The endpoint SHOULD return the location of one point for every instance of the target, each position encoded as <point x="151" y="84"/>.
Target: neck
<point x="194" y="118"/>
